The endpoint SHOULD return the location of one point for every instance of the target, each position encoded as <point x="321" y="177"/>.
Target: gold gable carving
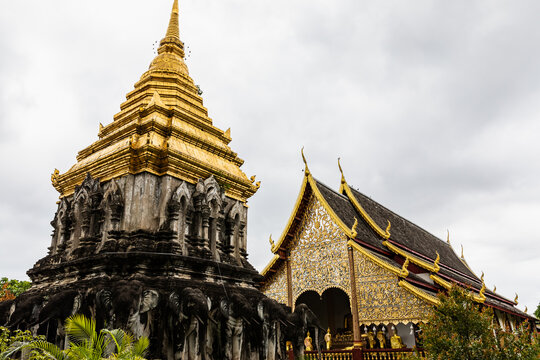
<point x="276" y="285"/>
<point x="381" y="300"/>
<point x="318" y="253"/>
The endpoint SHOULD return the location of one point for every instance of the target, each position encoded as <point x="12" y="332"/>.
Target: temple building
<point x="366" y="272"/>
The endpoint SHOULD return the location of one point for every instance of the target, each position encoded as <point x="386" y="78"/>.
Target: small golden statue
<point x="382" y="340"/>
<point x="328" y="339"/>
<point x="371" y="340"/>
<point x="308" y="343"/>
<point x="396" y="342"/>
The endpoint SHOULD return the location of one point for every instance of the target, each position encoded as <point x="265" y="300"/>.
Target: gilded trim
<point x="480" y="298"/>
<point x="431" y="267"/>
<point x="344" y="187"/>
<point x="348" y="231"/>
<point x="270" y="264"/>
<point x="395" y="270"/>
<point x="419" y="293"/>
<point x="293" y="215"/>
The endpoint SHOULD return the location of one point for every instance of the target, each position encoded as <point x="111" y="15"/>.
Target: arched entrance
<point x="334" y="312"/>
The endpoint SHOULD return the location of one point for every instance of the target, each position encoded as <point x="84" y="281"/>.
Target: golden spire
<point x="174" y="28"/>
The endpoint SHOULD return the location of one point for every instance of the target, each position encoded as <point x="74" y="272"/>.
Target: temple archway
<point x="333" y="310"/>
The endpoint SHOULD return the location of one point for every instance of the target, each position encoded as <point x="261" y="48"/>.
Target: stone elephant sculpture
<point x="239" y="323"/>
<point x="299" y="322"/>
<point x="272" y="316"/>
<point x="127" y="306"/>
<point x="55" y="312"/>
<point x="190" y="309"/>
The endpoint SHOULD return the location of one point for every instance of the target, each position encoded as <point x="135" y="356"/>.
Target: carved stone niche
<point x="61" y="225"/>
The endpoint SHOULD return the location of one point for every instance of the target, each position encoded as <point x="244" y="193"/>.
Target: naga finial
<point x="494" y="288"/>
<point x="353" y="229"/>
<point x="305" y="161"/>
<point x="404" y="272"/>
<point x="341" y="171"/>
<point x="482" y="277"/>
<point x="516" y="299"/>
<point x="448" y="236"/>
<point x="436" y="262"/>
<point x="272" y="244"/>
<point x="526" y="308"/>
<point x="483" y="289"/>
<point x="462" y="256"/>
<point x="54" y="177"/>
<point x="387" y="231"/>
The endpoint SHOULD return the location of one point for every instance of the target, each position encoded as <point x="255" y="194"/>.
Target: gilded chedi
<point x="164" y="129"/>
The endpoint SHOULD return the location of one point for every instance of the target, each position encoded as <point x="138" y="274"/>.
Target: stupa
<point x="150" y="232"/>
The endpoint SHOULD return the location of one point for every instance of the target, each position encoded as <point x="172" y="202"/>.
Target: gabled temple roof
<point x="362" y="218"/>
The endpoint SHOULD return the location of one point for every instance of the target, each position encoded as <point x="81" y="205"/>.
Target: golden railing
<point x="363" y="354"/>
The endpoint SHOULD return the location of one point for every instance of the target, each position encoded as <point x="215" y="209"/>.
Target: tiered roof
<point x="424" y="263"/>
<point x="162" y="128"/>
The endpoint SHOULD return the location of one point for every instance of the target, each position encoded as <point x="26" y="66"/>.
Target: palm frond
<point x="49" y="350"/>
<point x="140" y="346"/>
<point x="80" y="329"/>
<point x="16" y="346"/>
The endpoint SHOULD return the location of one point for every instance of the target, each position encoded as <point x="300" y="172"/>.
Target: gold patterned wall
<point x="381" y="299"/>
<point x="318" y="253"/>
<point x="276" y="285"/>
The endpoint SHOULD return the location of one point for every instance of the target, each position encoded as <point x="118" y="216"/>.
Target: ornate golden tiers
<point x="162" y="128"/>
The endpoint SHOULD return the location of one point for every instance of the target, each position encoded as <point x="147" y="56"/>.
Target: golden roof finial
<point x="482" y="277"/>
<point x="448" y="236"/>
<point x="341" y="171"/>
<point x="353" y="229"/>
<point x="516" y="299"/>
<point x="404" y="272"/>
<point x="483" y="289"/>
<point x="462" y="257"/>
<point x="272" y="244"/>
<point x="174" y="29"/>
<point x="305" y="162"/>
<point x="387" y="231"/>
<point x="494" y="288"/>
<point x="436" y="262"/>
<point x="526" y="308"/>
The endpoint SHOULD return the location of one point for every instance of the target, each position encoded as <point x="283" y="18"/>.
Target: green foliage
<point x="13" y="286"/>
<point x="84" y="343"/>
<point x="537" y="311"/>
<point x="460" y="329"/>
<point x="9" y="339"/>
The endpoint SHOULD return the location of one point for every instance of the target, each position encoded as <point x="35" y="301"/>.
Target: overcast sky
<point x="433" y="107"/>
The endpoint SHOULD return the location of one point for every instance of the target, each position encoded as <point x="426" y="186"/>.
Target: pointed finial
<point x="462" y="257"/>
<point x="404" y="272"/>
<point x="353" y="229"/>
<point x="387" y="231"/>
<point x="228" y="133"/>
<point x="305" y="162"/>
<point x="54" y="177"/>
<point x="436" y="262"/>
<point x="526" y="308"/>
<point x="252" y="179"/>
<point x="516" y="299"/>
<point x="272" y="244"/>
<point x="494" y="288"/>
<point x="174" y="29"/>
<point x="448" y="236"/>
<point x="482" y="277"/>
<point x="341" y="171"/>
